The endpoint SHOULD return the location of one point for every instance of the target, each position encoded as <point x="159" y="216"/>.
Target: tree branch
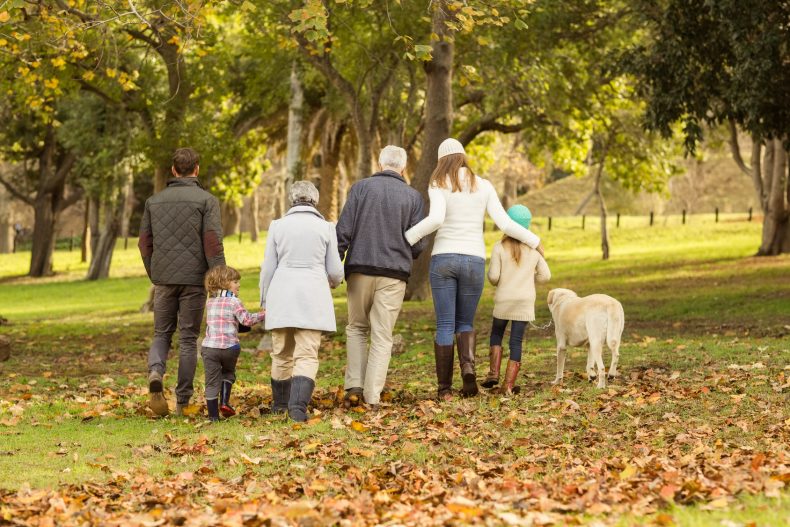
<point x="75" y="196"/>
<point x="487" y="123"/>
<point x="139" y="35"/>
<point x="14" y="192"/>
<point x="736" y="150"/>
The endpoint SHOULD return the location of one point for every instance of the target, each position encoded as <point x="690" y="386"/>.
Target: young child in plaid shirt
<point x="220" y="350"/>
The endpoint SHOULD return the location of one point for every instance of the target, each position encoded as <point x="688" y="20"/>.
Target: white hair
<point x="393" y="157"/>
<point x="303" y="191"/>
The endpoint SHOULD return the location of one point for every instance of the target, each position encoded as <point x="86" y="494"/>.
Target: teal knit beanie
<point x="521" y="215"/>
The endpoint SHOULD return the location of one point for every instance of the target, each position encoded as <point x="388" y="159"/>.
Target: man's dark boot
<point x="466" y="357"/>
<point x="444" y="370"/>
<point x="495" y="360"/>
<point x="301" y="393"/>
<point x="281" y="392"/>
<point x="511" y="373"/>
<point x="224" y="400"/>
<point x="353" y="397"/>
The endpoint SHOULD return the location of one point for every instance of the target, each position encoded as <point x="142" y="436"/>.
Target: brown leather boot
<point x="511" y="373"/>
<point x="495" y="360"/>
<point x="466" y="357"/>
<point x="444" y="369"/>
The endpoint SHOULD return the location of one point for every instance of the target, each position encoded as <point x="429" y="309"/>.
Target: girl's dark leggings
<point x="517" y="329"/>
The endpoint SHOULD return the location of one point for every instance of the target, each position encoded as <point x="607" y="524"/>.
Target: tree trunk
<point x="438" y="121"/>
<point x="6" y="223"/>
<point x="231" y="218"/>
<point x="102" y="257"/>
<point x="85" y="245"/>
<point x="602" y="203"/>
<point x="254" y="206"/>
<point x="342" y="186"/>
<point x="775" y="221"/>
<point x="293" y="158"/>
<point x="45" y="216"/>
<point x="128" y="202"/>
<point x="94" y="224"/>
<point x="331" y="140"/>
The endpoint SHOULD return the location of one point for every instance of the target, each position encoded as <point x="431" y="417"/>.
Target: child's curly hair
<point x="219" y="277"/>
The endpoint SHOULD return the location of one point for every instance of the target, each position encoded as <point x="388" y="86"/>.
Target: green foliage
<point x="705" y="63"/>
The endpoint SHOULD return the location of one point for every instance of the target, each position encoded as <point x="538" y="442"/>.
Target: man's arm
<point x="345" y="225"/>
<point x="417" y="215"/>
<point x="146" y="241"/>
<point x="212" y="234"/>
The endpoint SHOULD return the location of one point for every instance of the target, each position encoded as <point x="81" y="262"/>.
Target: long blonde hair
<point x="513" y="246"/>
<point x="447" y="172"/>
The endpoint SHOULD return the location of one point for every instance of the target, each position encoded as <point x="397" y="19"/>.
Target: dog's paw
<point x="601" y="383"/>
<point x="556" y="381"/>
<point x="611" y="377"/>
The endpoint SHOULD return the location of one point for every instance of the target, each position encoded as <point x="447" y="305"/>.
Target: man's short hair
<point x="393" y="157"/>
<point x="185" y="161"/>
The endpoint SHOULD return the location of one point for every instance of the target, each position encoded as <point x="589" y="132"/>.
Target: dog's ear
<point x="550" y="298"/>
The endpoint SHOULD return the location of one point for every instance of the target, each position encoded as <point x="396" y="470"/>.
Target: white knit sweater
<point x="459" y="218"/>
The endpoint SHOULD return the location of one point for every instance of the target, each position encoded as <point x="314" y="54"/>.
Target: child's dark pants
<point x="220" y="366"/>
<point x="517" y="329"/>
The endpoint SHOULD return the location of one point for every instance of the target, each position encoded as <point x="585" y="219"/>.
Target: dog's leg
<point x="596" y="350"/>
<point x="615" y="347"/>
<point x="590" y="365"/>
<point x="560" y="363"/>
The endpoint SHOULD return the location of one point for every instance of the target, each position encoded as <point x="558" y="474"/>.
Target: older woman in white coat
<point x="300" y="265"/>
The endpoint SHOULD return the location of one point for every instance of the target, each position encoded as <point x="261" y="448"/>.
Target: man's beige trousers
<point x="374" y="303"/>
<point x="295" y="353"/>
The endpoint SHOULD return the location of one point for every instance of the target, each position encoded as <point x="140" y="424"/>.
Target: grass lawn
<point x="695" y="431"/>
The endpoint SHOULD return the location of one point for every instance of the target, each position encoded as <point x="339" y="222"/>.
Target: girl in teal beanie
<point x="514" y="269"/>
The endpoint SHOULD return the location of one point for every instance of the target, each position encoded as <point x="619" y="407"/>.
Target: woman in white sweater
<point x="459" y="202"/>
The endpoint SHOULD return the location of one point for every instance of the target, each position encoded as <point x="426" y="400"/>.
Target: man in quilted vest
<point x="180" y="239"/>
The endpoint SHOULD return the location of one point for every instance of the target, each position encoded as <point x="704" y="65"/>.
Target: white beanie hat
<point x="450" y="146"/>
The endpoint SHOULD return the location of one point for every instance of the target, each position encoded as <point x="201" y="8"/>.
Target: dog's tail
<point x="614" y="325"/>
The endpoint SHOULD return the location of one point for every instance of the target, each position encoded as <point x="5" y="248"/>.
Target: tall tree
<point x="725" y="62"/>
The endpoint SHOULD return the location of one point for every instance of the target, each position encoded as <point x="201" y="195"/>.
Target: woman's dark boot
<point x="511" y="373"/>
<point x="495" y="361"/>
<point x="224" y="400"/>
<point x="444" y="370"/>
<point x="281" y="392"/>
<point x="301" y="393"/>
<point x="466" y="356"/>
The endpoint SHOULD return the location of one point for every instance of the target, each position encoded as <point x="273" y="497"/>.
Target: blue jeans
<point x="456" y="286"/>
<point x="517" y="329"/>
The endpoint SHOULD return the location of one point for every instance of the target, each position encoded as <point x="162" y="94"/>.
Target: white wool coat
<point x="300" y="264"/>
<point x="514" y="298"/>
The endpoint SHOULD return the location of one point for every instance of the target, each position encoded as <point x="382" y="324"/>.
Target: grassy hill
<point x="716" y="182"/>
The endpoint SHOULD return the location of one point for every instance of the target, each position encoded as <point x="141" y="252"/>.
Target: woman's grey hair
<point x="393" y="157"/>
<point x="303" y="192"/>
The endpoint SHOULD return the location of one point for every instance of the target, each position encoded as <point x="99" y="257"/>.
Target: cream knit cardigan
<point x="515" y="293"/>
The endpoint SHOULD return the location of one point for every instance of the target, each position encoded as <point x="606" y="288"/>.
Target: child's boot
<point x="224" y="405"/>
<point x="281" y="392"/>
<point x="509" y="387"/>
<point x="213" y="409"/>
<point x="495" y="360"/>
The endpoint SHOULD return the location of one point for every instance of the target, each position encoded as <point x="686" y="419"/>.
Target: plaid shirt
<point x="224" y="312"/>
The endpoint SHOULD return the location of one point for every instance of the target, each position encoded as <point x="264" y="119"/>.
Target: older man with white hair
<point x="378" y="260"/>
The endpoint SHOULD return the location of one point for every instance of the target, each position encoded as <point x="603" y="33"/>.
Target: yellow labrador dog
<point x="594" y="319"/>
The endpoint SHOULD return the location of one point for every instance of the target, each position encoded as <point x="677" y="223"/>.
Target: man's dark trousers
<point x="182" y="306"/>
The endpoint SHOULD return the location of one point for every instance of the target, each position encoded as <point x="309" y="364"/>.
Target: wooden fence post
<point x="750" y="214"/>
<point x="651" y="218"/>
<point x="584" y="217"/>
<point x="618" y="219"/>
<point x="71" y="242"/>
<point x="717" y="214"/>
<point x="549" y="222"/>
<point x="684" y="216"/>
